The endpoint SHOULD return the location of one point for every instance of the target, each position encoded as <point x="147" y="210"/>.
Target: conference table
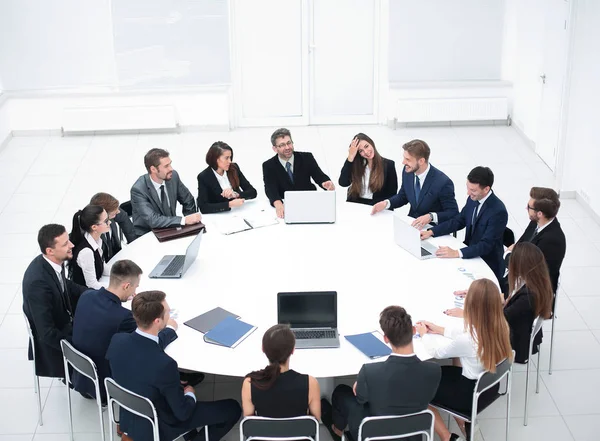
<point x="243" y="272"/>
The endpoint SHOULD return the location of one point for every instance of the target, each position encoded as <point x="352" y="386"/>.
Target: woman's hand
<point x="228" y="193"/>
<point x="454" y="312"/>
<point x="432" y="328"/>
<point x="236" y="203"/>
<point x="353" y="150"/>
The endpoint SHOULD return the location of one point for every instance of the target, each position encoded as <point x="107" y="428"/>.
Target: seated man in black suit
<point x="154" y="196"/>
<point x="401" y="385"/>
<point x="120" y="226"/>
<point x="49" y="300"/>
<point x="139" y="363"/>
<point x="428" y="190"/>
<point x="289" y="170"/>
<point x="484" y="216"/>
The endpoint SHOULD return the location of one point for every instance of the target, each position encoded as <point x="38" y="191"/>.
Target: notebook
<point x="205" y="322"/>
<point x="369" y="345"/>
<point x="230" y="332"/>
<point x="237" y="224"/>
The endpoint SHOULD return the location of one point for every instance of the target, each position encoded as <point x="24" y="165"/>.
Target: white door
<point x="343" y="61"/>
<point x="556" y="41"/>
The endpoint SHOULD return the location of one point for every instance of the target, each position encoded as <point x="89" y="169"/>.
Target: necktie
<point x="535" y="233"/>
<point x="164" y="202"/>
<point x="106" y="247"/>
<point x="65" y="292"/>
<point x="475" y="216"/>
<point x="288" y="168"/>
<point x="417" y="188"/>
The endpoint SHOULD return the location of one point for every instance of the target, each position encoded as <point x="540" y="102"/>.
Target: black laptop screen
<point x="307" y="309"/>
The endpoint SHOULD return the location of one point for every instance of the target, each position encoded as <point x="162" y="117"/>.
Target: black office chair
<point x="508" y="238"/>
<point x="127" y="208"/>
<point x="380" y="428"/>
<point x="304" y="427"/>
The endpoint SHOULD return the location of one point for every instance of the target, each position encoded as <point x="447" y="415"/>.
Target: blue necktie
<point x="417" y="188"/>
<point x="288" y="168"/>
<point x="474" y="218"/>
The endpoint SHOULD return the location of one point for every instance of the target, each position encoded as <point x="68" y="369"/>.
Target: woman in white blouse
<point x="479" y="345"/>
<point x="87" y="264"/>
<point x="222" y="185"/>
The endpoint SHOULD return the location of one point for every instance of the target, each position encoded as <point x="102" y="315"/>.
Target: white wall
<point x="5" y="128"/>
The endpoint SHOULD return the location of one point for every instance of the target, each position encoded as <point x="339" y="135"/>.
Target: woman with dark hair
<point x="277" y="391"/>
<point x="371" y="178"/>
<point x="87" y="264"/>
<point x="222" y="185"/>
<point x="530" y="296"/>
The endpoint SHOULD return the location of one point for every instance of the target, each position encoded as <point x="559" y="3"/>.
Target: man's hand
<point x="228" y="193"/>
<point x="193" y="219"/>
<point x="421" y="221"/>
<point x="328" y="185"/>
<point x="353" y="150"/>
<point x="172" y="323"/>
<point x="454" y="312"/>
<point x="279" y="209"/>
<point x="379" y="206"/>
<point x="426" y="234"/>
<point x="445" y="252"/>
<point x="236" y="203"/>
<point x="189" y="389"/>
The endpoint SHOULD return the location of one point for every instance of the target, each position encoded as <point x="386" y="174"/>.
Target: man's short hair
<point x="417" y="149"/>
<point x="48" y="234"/>
<point x="124" y="271"/>
<point x="106" y="201"/>
<point x="153" y="157"/>
<point x="545" y="200"/>
<point x="482" y="176"/>
<point x="147" y="306"/>
<point x="396" y="325"/>
<point x="280" y="133"/>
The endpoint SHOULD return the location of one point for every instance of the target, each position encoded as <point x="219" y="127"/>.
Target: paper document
<point x="237" y="224"/>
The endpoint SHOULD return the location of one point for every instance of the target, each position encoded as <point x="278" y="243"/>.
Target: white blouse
<point x="223" y="180"/>
<point x="366" y="192"/>
<point x="85" y="260"/>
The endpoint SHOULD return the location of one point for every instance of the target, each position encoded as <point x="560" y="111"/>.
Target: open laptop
<point x="309" y="207"/>
<point x="409" y="238"/>
<point x="174" y="267"/>
<point x="312" y="317"/>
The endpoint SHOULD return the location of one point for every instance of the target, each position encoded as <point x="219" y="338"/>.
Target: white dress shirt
<point x="85" y="260"/>
<point x="157" y="188"/>
<point x="366" y="192"/>
<point x="539" y="229"/>
<point x="403" y="355"/>
<point x="283" y="163"/>
<point x="57" y="269"/>
<point x="222" y="180"/>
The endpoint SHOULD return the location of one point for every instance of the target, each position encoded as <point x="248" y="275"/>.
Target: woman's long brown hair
<point x="484" y="320"/>
<point x="214" y="152"/>
<point x="278" y="344"/>
<point x="358" y="170"/>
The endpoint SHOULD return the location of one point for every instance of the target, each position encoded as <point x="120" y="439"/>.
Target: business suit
<point x="484" y="238"/>
<point x="390" y="182"/>
<point x="277" y="181"/>
<point x="139" y="364"/>
<point x="520" y="316"/>
<point x="111" y="244"/>
<point x="398" y="386"/>
<point x="209" y="191"/>
<point x="147" y="210"/>
<point x="49" y="312"/>
<point x="100" y="315"/>
<point x="436" y="196"/>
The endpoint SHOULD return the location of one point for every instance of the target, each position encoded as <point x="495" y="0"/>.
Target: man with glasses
<point x="290" y="171"/>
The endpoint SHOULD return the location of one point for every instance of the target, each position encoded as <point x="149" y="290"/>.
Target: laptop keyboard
<point x="424" y="252"/>
<point x="174" y="267"/>
<point x="304" y="334"/>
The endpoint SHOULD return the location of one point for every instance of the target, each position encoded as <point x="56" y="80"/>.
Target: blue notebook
<point x="369" y="345"/>
<point x="229" y="332"/>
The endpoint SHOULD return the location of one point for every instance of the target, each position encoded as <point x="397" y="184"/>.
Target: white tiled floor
<point x="46" y="179"/>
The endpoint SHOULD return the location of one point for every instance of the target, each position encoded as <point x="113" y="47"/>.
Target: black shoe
<point x="191" y="378"/>
<point x="86" y="396"/>
<point x="327" y="418"/>
<point x="468" y="430"/>
<point x="455" y="437"/>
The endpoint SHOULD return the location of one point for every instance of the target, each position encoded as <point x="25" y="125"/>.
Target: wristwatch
<point x="430" y="217"/>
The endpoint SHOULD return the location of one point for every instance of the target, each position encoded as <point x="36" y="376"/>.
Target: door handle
<point x="543" y="77"/>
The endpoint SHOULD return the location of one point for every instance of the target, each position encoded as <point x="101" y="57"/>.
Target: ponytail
<point x="76" y="235"/>
<point x="265" y="378"/>
<point x="83" y="221"/>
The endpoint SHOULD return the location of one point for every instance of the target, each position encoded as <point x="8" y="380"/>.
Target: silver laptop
<point x="312" y="317"/>
<point x="174" y="267"/>
<point x="309" y="207"/>
<point x="409" y="238"/>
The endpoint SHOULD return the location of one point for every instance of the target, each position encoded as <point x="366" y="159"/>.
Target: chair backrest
<point x="508" y="238"/>
<point x="397" y="426"/>
<point x="304" y="427"/>
<point x="487" y="380"/>
<point x="30" y="333"/>
<point x="127" y="208"/>
<point x="81" y="362"/>
<point x="535" y="329"/>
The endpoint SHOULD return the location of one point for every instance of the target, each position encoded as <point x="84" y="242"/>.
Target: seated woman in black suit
<point x="222" y="185"/>
<point x="277" y="391"/>
<point x="530" y="296"/>
<point x="371" y="177"/>
<point x="87" y="264"/>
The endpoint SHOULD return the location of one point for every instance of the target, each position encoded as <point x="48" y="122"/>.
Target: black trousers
<point x="346" y="410"/>
<point x="220" y="417"/>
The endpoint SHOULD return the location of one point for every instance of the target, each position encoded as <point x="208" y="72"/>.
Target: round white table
<point x="243" y="272"/>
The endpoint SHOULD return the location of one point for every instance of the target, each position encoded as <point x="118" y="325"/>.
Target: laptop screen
<point x="192" y="251"/>
<point x="307" y="309"/>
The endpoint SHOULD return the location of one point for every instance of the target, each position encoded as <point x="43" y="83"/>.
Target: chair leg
<point x="508" y="379"/>
<point x="39" y="400"/>
<point x="526" y="393"/>
<point x="71" y="437"/>
<point x="99" y="402"/>
<point x="551" y="345"/>
<point x="537" y="380"/>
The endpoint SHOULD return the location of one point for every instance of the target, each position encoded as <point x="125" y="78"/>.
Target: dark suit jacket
<point x="520" y="316"/>
<point x="209" y="191"/>
<point x="111" y="245"/>
<point x="485" y="239"/>
<point x="147" y="212"/>
<point x="277" y="181"/>
<point x="99" y="316"/>
<point x="49" y="314"/>
<point x="158" y="381"/>
<point x="437" y="195"/>
<point x="390" y="182"/>
<point x="397" y="386"/>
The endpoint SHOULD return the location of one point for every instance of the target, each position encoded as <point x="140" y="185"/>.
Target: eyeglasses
<point x="529" y="207"/>
<point x="105" y="221"/>
<point x="284" y="144"/>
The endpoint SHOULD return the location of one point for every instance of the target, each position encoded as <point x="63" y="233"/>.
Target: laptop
<point x="309" y="207"/>
<point x="174" y="267"/>
<point x="312" y="317"/>
<point x="409" y="238"/>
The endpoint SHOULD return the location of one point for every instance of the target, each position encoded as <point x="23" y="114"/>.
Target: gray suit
<point x="147" y="211"/>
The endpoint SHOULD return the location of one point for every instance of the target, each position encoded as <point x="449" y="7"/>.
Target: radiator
<point x="451" y="109"/>
<point x="118" y="118"/>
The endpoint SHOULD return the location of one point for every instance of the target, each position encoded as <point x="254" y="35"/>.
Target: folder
<point x="369" y="345"/>
<point x="166" y="234"/>
<point x="205" y="322"/>
<point x="230" y="332"/>
<point x="237" y="224"/>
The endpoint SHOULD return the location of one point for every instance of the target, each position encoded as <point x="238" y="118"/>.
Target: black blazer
<point x="99" y="316"/>
<point x="437" y="195"/>
<point x="277" y="181"/>
<point x="157" y="381"/>
<point x="50" y="315"/>
<point x="209" y="191"/>
<point x="390" y="182"/>
<point x="111" y="245"/>
<point x="520" y="316"/>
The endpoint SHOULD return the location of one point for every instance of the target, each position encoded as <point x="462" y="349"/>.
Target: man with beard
<point x="154" y="196"/>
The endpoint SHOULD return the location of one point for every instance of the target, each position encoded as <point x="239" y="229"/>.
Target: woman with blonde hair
<point x="480" y="344"/>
